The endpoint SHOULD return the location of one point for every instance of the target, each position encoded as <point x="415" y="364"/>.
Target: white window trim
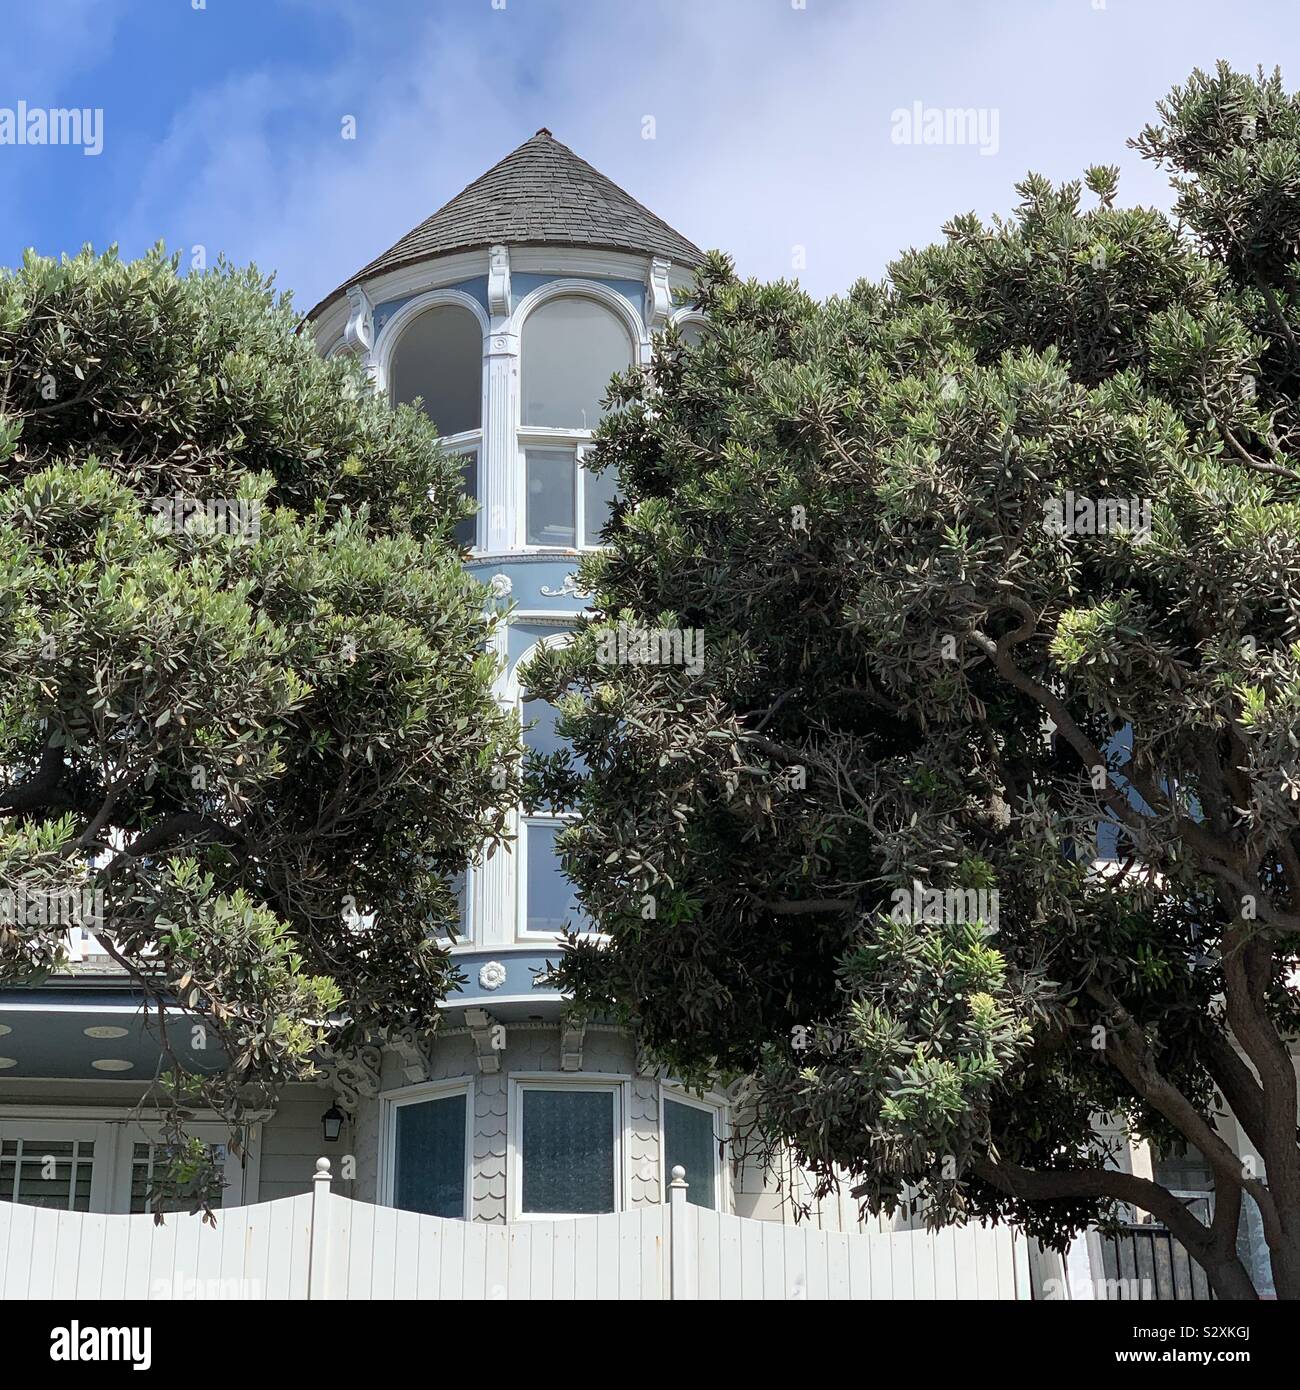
<point x="390" y="335"/>
<point x="620" y="1087"/>
<point x="116" y="1132"/>
<point x="570" y="288"/>
<point x="521" y="870"/>
<point x="390" y="1102"/>
<point x="465" y="937"/>
<point x="688" y="316"/>
<point x="102" y="1153"/>
<point x="543" y="436"/>
<point x="562" y="441"/>
<point x="457" y="446"/>
<point x="721" y="1112"/>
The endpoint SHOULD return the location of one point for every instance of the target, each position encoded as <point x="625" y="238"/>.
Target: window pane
<point x="541" y="737"/>
<point x="143" y="1157"/>
<point x="430" y="1174"/>
<point x="47" y="1173"/>
<point x="460" y="889"/>
<point x="598" y="501"/>
<point x="440" y="358"/>
<point x="552" y="901"/>
<point x="467" y="530"/>
<point x="550" y="497"/>
<point x="568" y="1151"/>
<point x="571" y="347"/>
<point x="692" y="332"/>
<point x="689" y="1141"/>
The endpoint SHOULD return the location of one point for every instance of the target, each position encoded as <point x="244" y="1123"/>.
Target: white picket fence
<point x="326" y="1246"/>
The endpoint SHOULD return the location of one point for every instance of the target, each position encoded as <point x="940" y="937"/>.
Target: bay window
<point x="467" y="531"/>
<point x="438" y="361"/>
<point x="428" y="1146"/>
<point x="571" y="346"/>
<point x="692" y="1133"/>
<point x="568" y="1148"/>
<point x="549" y="902"/>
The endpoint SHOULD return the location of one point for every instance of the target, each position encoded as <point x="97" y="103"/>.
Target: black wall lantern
<point x="332" y="1122"/>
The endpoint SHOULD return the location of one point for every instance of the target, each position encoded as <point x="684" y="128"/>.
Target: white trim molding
<point x="113" y="1134"/>
<point x="390" y="1102"/>
<point x="717" y="1106"/>
<point x="381" y="354"/>
<point x="688" y="315"/>
<point x="618" y="1086"/>
<point x="587" y="289"/>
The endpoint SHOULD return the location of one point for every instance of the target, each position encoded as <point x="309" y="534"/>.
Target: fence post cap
<point x="322" y="1169"/>
<point x="679" y="1176"/>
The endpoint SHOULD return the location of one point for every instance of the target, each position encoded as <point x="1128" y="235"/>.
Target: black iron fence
<point x="1144" y="1263"/>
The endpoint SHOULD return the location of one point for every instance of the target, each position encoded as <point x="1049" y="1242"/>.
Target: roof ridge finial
<point x="545" y="132"/>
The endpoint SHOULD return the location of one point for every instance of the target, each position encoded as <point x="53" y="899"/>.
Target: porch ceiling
<point x="63" y="1032"/>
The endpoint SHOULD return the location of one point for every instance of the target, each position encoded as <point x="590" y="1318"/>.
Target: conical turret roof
<point x="539" y="194"/>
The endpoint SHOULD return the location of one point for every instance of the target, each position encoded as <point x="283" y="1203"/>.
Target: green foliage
<point x="268" y="746"/>
<point x="853" y="501"/>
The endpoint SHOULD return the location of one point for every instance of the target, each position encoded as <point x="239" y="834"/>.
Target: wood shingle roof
<point x="539" y="194"/>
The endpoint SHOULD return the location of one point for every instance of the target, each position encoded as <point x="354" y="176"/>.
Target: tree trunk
<point x="1228" y="1277"/>
<point x="1284" y="1260"/>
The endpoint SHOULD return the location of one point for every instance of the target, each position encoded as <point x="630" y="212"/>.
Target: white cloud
<point x="772" y="123"/>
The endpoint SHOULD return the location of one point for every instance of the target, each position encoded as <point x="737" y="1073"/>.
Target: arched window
<point x="571" y="347"/>
<point x="439" y="358"/>
<point x="692" y="331"/>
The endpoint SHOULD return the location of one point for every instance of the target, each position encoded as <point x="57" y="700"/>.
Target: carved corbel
<point x="413" y="1049"/>
<point x="571" y="1039"/>
<point x="359" y="334"/>
<point x="355" y="1073"/>
<point x="489" y="1039"/>
<point x="659" y="299"/>
<point x="499" y="282"/>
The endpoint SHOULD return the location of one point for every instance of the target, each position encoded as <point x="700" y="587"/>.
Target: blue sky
<point x="773" y="119"/>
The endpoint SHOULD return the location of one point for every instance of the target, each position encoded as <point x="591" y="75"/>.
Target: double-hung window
<point x="438" y="360"/>
<point x="571" y="346"/>
<point x="548" y="902"/>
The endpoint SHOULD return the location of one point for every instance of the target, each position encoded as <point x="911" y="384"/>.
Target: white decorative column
<point x="493" y="910"/>
<point x="501" y="412"/>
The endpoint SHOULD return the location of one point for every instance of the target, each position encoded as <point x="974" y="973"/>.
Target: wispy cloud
<point x="771" y="121"/>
